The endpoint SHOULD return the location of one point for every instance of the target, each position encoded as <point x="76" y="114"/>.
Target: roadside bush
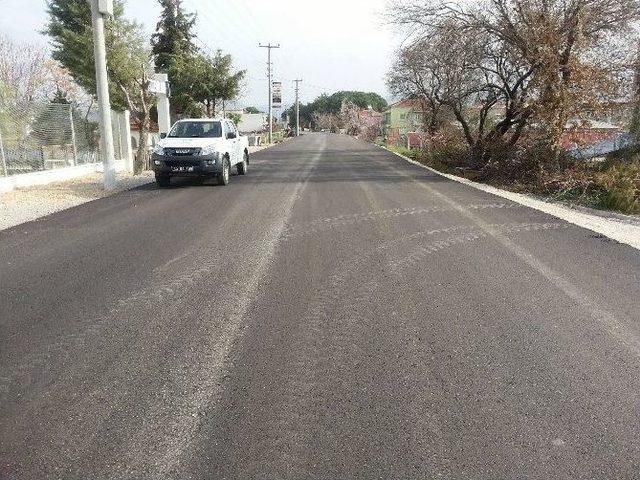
<point x="525" y="163"/>
<point x="447" y="150"/>
<point x="613" y="185"/>
<point x="620" y="186"/>
<point x="413" y="154"/>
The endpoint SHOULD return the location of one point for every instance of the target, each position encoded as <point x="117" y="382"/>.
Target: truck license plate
<point x="182" y="169"/>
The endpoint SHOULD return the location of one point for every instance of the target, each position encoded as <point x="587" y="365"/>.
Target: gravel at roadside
<point x="27" y="204"/>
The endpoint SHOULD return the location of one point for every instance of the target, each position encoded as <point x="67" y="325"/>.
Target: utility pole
<point x="298" y="80"/>
<point x="269" y="47"/>
<point x="100" y="9"/>
<point x="3" y="160"/>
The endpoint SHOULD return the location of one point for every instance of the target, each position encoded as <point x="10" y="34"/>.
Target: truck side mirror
<point x="163" y="135"/>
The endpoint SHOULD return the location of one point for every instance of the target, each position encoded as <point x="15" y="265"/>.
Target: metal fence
<point x="603" y="147"/>
<point x="38" y="136"/>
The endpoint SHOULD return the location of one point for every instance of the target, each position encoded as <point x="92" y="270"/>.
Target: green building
<point x="402" y="118"/>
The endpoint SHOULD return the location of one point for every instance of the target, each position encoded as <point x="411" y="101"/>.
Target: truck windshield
<point x="196" y="130"/>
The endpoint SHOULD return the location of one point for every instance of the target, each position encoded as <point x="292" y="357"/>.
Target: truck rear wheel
<point x="244" y="165"/>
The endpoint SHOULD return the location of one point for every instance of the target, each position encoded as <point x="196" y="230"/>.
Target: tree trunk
<point x="479" y="155"/>
<point x="142" y="156"/>
<point x="554" y="108"/>
<point x="553" y="132"/>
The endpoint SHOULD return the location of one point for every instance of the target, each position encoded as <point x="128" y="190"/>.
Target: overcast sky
<point x="331" y="44"/>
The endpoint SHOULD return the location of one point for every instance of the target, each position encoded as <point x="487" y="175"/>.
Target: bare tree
<point x="413" y="75"/>
<point x="350" y="118"/>
<point x="475" y="77"/>
<point x="23" y="70"/>
<point x="556" y="39"/>
<point x="326" y="121"/>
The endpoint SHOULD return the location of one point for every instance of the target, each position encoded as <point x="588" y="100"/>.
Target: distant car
<point x="205" y="147"/>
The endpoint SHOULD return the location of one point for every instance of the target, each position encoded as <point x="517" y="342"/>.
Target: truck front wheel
<point x="163" y="181"/>
<point x="223" y="176"/>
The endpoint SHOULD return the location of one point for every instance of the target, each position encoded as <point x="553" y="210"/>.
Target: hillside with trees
<point x="324" y="112"/>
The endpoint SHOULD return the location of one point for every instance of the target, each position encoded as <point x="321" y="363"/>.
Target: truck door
<point x="232" y="140"/>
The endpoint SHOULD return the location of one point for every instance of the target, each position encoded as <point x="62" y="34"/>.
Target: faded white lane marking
<point x="618" y="230"/>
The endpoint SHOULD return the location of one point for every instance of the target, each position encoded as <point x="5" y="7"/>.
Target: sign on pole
<point x="105" y="7"/>
<point x="159" y="87"/>
<point x="276" y="92"/>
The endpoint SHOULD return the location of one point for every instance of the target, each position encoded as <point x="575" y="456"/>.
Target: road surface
<point x="338" y="313"/>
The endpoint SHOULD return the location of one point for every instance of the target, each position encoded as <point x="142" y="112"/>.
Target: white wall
<point x="45" y="177"/>
<point x="252" y="122"/>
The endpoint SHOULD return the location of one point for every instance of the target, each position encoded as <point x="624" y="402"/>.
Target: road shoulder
<point x="621" y="228"/>
<point x="23" y="205"/>
<point x="32" y="203"/>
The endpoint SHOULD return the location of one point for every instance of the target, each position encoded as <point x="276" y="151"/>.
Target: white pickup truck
<point x="206" y="147"/>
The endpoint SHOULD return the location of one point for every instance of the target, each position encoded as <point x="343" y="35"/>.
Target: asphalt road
<point x="338" y="313"/>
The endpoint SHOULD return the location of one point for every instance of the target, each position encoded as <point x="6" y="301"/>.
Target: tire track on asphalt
<point x="170" y="289"/>
<point x="324" y="224"/>
<point x="600" y="315"/>
<point x="293" y="428"/>
<point x="170" y="442"/>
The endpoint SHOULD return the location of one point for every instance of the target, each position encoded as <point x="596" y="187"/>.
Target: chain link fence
<point x="38" y="136"/>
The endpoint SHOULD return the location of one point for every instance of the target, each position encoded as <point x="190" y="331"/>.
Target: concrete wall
<point x="252" y="122"/>
<point x="44" y="177"/>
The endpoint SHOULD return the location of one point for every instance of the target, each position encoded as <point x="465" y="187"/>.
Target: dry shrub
<point x="613" y="184"/>
<point x="620" y="185"/>
<point x="448" y="150"/>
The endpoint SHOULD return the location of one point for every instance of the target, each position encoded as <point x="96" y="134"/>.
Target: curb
<point x="614" y="228"/>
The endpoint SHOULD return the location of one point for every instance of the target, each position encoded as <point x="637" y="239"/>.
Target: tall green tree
<point x="174" y="34"/>
<point x="202" y="83"/>
<point x="70" y="31"/>
<point x="171" y="45"/>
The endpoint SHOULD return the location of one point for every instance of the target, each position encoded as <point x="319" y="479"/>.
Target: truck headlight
<point x="158" y="150"/>
<point x="210" y="150"/>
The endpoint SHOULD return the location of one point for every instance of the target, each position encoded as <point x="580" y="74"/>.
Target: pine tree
<point x="173" y="35"/>
<point x="69" y="28"/>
